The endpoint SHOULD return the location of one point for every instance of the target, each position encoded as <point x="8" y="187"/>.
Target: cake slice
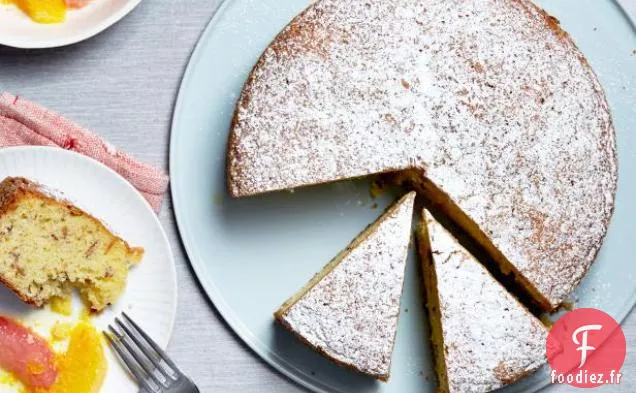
<point x="349" y="311"/>
<point x="48" y="246"/>
<point x="482" y="337"/>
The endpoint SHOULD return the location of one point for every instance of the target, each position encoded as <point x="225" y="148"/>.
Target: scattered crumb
<point x="313" y="373"/>
<point x="633" y="52"/>
<point x="406" y="310"/>
<point x="374" y="206"/>
<point x="596" y="28"/>
<point x="377" y="188"/>
<point x="292" y="190"/>
<point x="62" y="305"/>
<point x="360" y="202"/>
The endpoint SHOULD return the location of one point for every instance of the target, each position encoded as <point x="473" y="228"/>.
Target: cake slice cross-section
<point x="349" y="311"/>
<point x="49" y="246"/>
<point x="482" y="337"/>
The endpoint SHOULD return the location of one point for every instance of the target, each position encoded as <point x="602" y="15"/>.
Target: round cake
<point x="487" y="107"/>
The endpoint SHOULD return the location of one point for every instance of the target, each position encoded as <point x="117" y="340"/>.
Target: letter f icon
<point x="584" y="347"/>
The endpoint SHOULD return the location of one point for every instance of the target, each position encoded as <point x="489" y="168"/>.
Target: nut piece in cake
<point x="48" y="246"/>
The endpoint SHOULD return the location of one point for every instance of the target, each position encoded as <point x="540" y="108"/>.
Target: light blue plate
<point x="251" y="254"/>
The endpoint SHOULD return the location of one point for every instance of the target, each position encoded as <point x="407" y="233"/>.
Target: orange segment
<point x="83" y="368"/>
<point x="43" y="11"/>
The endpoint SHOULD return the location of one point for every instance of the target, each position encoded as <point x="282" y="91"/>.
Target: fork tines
<point x="146" y="361"/>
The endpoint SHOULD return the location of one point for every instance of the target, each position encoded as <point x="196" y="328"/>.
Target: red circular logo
<point x="586" y="348"/>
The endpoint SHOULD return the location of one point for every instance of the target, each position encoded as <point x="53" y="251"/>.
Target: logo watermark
<point x="586" y="348"/>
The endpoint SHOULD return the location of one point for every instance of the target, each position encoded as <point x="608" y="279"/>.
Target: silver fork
<point x="148" y="364"/>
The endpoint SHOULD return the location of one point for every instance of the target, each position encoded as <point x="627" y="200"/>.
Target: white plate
<point x="251" y="254"/>
<point x="17" y="30"/>
<point x="151" y="294"/>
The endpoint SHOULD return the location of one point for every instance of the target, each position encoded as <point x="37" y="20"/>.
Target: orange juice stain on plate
<point x="9" y="380"/>
<point x="61" y="331"/>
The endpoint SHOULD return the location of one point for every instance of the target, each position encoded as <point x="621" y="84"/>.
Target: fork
<point x="149" y="365"/>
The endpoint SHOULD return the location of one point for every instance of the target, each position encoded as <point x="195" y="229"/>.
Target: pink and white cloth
<point x="26" y="123"/>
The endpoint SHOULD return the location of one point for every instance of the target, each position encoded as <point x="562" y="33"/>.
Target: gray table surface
<point x="123" y="84"/>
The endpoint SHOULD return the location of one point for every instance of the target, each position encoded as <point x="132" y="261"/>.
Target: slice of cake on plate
<point x="349" y="311"/>
<point x="48" y="246"/>
<point x="482" y="337"/>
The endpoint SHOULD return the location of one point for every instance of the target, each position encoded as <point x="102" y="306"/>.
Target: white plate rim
<point x="119" y="178"/>
<point x="210" y="289"/>
<point x="23" y="43"/>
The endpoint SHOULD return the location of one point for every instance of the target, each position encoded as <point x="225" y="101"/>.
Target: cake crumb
<point x="62" y="305"/>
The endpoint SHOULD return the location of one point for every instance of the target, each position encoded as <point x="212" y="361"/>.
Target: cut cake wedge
<point x="349" y="311"/>
<point x="482" y="337"/>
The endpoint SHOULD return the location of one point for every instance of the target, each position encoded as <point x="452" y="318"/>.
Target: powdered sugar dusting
<point x="490" y="97"/>
<point x="351" y="315"/>
<point x="490" y="340"/>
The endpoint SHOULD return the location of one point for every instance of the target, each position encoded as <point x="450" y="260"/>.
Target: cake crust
<point x="11" y="191"/>
<point x="491" y="101"/>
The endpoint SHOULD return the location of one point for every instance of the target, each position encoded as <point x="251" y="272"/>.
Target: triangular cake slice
<point x="349" y="311"/>
<point x="482" y="337"/>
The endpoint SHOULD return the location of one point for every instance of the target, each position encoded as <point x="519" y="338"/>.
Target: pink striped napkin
<point x="26" y="123"/>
